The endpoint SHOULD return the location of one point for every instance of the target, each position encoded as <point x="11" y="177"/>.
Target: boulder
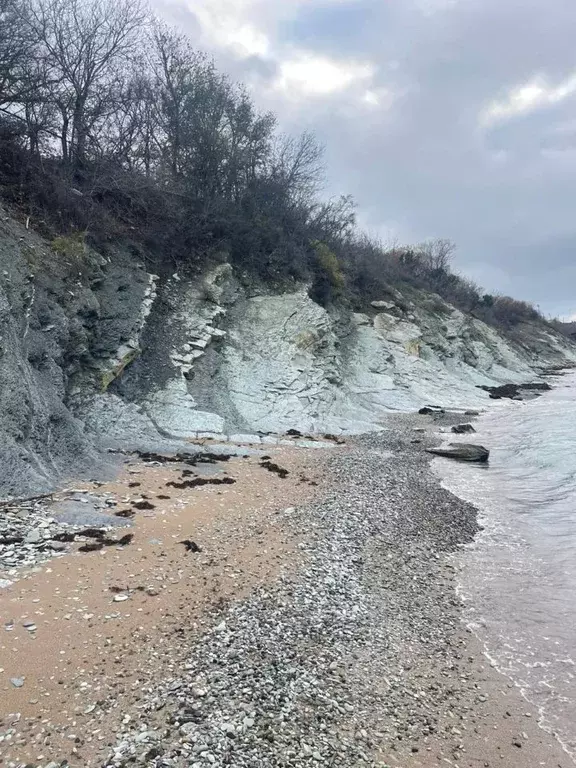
<point x="515" y="391"/>
<point x="462" y="429"/>
<point x="462" y="452"/>
<point x="428" y="409"/>
<point x="383" y="304"/>
<point x="511" y="391"/>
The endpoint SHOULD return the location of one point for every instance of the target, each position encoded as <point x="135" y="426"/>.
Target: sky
<point x="443" y="118"/>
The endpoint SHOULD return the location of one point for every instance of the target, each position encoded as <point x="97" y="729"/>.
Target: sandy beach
<point x="309" y="618"/>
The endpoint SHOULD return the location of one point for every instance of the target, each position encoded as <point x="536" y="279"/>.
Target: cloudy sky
<point x="444" y="118"/>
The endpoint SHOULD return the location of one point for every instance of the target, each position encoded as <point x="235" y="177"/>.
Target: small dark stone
<point x="462" y="429"/>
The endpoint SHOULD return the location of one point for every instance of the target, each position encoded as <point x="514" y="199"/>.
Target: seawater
<point x="518" y="579"/>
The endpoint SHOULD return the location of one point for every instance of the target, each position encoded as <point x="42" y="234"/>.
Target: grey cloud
<point x="504" y="193"/>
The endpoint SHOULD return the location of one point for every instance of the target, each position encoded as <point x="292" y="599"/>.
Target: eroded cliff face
<point x="234" y="363"/>
<point x="99" y="352"/>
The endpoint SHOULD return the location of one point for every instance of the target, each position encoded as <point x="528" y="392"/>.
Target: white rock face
<point x="242" y="365"/>
<point x="176" y="413"/>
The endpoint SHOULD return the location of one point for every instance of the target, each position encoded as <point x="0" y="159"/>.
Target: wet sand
<point x="90" y="658"/>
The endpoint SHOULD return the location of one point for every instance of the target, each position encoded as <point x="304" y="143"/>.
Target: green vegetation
<point x="112" y="125"/>
<point x="329" y="279"/>
<point x="71" y="247"/>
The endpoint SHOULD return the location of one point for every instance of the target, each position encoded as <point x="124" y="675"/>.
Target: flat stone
<point x="57" y="546"/>
<point x="34" y="536"/>
<point x="462" y="452"/>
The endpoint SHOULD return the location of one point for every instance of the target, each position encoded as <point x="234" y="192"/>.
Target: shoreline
<point x="344" y="648"/>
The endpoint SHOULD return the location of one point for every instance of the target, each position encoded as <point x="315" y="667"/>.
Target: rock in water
<point x="462" y="429"/>
<point x="462" y="451"/>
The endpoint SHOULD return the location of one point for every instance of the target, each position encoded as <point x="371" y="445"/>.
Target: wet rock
<point x="462" y="452"/>
<point x="462" y="429"/>
<point x="537" y="386"/>
<point x="511" y="391"/>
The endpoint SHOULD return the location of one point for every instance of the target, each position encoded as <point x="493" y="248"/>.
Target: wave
<point x="518" y="579"/>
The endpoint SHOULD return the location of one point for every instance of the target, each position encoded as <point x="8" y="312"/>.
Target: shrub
<point x="71" y="247"/>
<point x="328" y="278"/>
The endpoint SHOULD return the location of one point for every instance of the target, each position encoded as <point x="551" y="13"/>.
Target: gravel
<point x="349" y="655"/>
<point x="29" y="529"/>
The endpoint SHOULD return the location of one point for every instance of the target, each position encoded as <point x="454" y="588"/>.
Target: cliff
<point x="98" y="352"/>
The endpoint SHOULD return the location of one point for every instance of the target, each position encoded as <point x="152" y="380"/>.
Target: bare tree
<point x="212" y="139"/>
<point x="15" y="46"/>
<point x="179" y="73"/>
<point x="437" y="254"/>
<point x="83" y="44"/>
<point x="334" y="220"/>
<point x="130" y="135"/>
<point x="299" y="164"/>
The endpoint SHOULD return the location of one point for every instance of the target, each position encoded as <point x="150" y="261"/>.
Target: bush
<point x="328" y="278"/>
<point x="508" y="312"/>
<point x="71" y="247"/>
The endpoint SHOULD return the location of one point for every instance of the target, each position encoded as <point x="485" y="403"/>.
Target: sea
<point x="518" y="579"/>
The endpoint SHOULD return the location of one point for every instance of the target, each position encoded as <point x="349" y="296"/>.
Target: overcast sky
<point x="444" y="118"/>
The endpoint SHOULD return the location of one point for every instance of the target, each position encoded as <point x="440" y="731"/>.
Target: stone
<point x="17" y="682"/>
<point x="511" y="391"/>
<point x="34" y="536"/>
<point x="121" y="598"/>
<point x="537" y="386"/>
<point x="462" y="429"/>
<point x="382" y="304"/>
<point x="462" y="452"/>
<point x="56" y="546"/>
